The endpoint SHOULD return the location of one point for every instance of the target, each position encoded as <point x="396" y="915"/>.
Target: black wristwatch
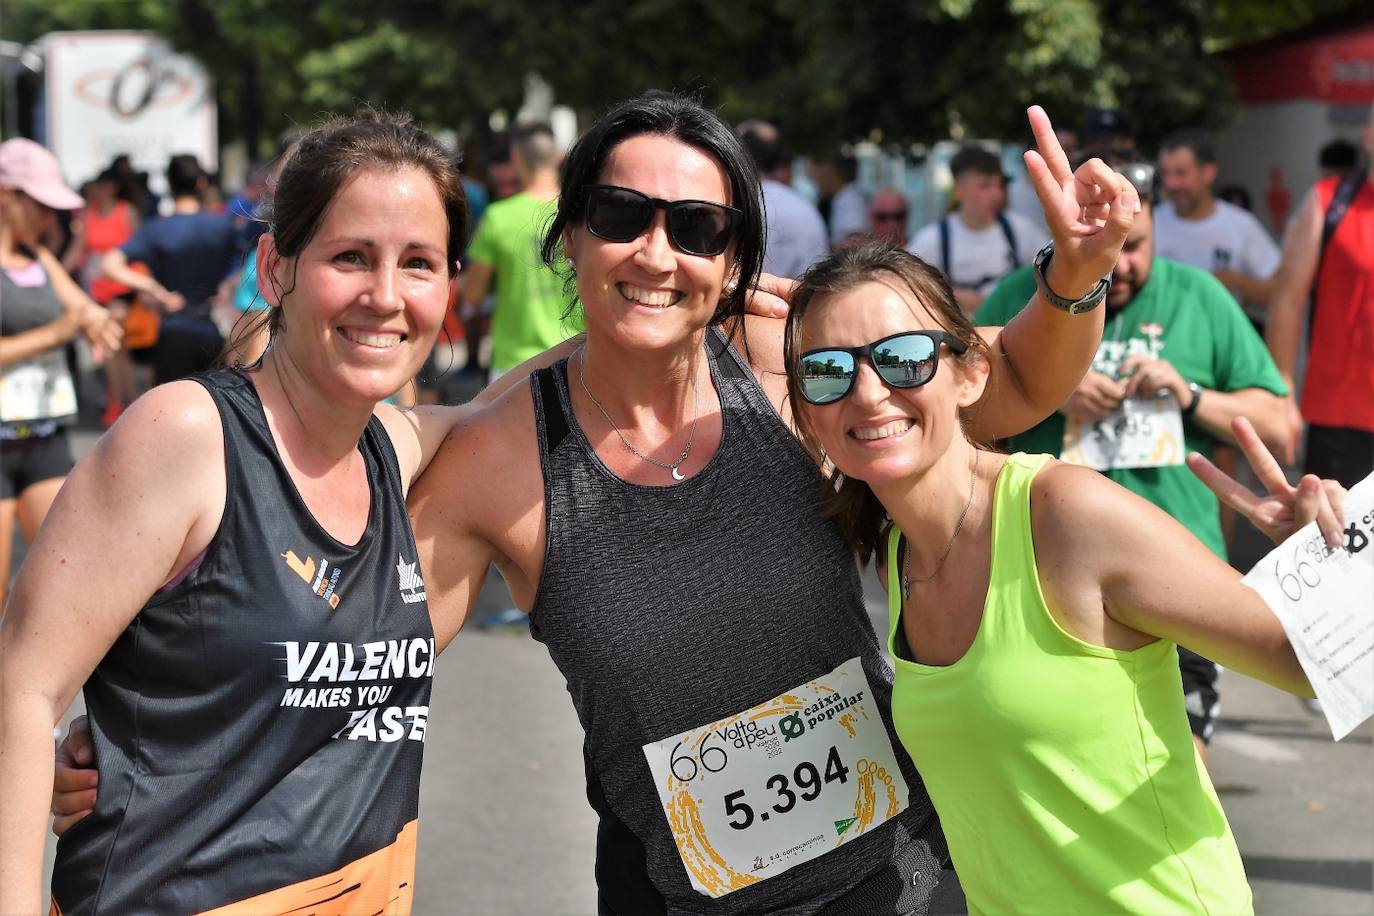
<point x="1196" y="391"/>
<point x="1073" y="306"/>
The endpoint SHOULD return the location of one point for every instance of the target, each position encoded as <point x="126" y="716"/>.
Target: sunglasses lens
<point x="616" y="214"/>
<point x="700" y="228"/>
<point x="906" y="361"/>
<point x="826" y="375"/>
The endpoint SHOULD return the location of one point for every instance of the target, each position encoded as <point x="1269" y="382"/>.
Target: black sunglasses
<point x="695" y="226"/>
<point x="906" y="360"/>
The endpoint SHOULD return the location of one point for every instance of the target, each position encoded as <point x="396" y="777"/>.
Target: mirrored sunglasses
<point x="906" y="360"/>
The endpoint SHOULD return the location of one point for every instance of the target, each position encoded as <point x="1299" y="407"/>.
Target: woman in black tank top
<point x="231" y="573"/>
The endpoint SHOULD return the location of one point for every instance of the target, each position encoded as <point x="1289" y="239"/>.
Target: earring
<point x="572" y="265"/>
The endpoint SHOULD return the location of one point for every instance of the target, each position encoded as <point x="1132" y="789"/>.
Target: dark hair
<point x="684" y="119"/>
<point x="184" y="175"/>
<point x="534" y="141"/>
<point x="1197" y="141"/>
<point x="1338" y="154"/>
<point x="764" y="144"/>
<point x="975" y="159"/>
<point x="850" y="503"/>
<point x="323" y="162"/>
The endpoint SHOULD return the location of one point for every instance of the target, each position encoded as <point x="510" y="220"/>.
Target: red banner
<point x="1335" y="68"/>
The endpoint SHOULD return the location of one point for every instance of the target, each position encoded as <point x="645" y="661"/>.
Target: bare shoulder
<point x="1075" y="505"/>
<point x="177" y="423"/>
<point x="1088" y="519"/>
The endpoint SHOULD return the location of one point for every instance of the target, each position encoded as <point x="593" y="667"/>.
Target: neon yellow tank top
<point x="1063" y="772"/>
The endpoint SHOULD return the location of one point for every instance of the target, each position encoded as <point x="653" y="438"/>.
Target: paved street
<point x="505" y="828"/>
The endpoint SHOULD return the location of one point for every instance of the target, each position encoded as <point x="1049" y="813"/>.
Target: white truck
<point x="117" y="92"/>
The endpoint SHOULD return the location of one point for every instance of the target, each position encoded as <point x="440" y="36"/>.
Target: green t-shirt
<point x="530" y="298"/>
<point x="1183" y="315"/>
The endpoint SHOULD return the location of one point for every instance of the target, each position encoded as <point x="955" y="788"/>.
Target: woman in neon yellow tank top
<point x="1035" y="608"/>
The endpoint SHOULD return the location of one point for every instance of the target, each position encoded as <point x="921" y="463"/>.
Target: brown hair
<point x="321" y="165"/>
<point x="850" y="503"/>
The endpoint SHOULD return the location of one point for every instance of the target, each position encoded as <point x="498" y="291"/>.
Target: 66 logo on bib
<point x="751" y="795"/>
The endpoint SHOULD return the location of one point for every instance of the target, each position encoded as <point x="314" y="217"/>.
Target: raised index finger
<point x="1048" y="144"/>
<point x="1266" y="469"/>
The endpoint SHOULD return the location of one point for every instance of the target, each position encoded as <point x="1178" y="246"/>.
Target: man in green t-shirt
<point x="531" y="299"/>
<point x="1169" y="327"/>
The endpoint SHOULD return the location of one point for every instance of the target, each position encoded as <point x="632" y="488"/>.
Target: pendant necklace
<point x="906" y="560"/>
<point x="673" y="467"/>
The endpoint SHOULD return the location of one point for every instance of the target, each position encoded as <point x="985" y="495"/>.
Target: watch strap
<point x="1087" y="303"/>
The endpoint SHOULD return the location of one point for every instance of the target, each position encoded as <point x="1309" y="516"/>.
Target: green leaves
<point x="827" y="73"/>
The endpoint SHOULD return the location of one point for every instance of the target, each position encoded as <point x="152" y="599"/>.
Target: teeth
<point x="895" y="428"/>
<point x="371" y="340"/>
<point x="658" y="298"/>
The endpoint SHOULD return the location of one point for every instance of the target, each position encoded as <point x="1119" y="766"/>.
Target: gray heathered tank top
<point x="670" y="607"/>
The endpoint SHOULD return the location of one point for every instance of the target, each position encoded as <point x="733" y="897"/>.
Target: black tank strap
<point x="548" y="408"/>
<point x="718" y="346"/>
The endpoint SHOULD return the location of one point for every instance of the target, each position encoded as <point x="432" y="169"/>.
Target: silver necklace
<point x="906" y="560"/>
<point x="691" y="433"/>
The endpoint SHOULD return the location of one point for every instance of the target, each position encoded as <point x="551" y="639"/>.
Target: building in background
<point x="1298" y="92"/>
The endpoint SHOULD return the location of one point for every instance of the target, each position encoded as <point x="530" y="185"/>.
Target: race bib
<point x="1141" y="433"/>
<point x="756" y="793"/>
<point x="39" y="388"/>
<point x="1322" y="598"/>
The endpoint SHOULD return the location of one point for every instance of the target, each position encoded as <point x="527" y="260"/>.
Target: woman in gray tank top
<point x="41" y="310"/>
<point x="650" y="507"/>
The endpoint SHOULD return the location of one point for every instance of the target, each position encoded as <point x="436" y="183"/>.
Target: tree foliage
<point x="900" y="70"/>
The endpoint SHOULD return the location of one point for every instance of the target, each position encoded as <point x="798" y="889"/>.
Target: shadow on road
<point x="1349" y="874"/>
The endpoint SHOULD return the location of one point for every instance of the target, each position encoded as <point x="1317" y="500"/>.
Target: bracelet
<point x="1087" y="303"/>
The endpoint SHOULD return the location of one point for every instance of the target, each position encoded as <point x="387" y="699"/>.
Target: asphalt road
<point x="505" y="828"/>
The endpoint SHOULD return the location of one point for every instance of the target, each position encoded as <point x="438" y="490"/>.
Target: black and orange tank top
<point x="259" y="726"/>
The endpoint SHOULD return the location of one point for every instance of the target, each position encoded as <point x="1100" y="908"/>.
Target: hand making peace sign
<point x="1089" y="211"/>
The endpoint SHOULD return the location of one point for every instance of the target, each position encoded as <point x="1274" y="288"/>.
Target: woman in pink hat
<point x="43" y="310"/>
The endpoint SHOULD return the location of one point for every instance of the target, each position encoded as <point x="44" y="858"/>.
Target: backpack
<point x="945" y="257"/>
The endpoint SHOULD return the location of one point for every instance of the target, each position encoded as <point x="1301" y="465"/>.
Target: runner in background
<point x="1193" y="226"/>
<point x="796" y="233"/>
<point x="106" y="222"/>
<point x="981" y="241"/>
<point x="43" y="309"/>
<point x="1174" y="331"/>
<point x="532" y="311"/>
<point x="1033" y="608"/>
<point x="1328" y="259"/>
<point x="190" y="253"/>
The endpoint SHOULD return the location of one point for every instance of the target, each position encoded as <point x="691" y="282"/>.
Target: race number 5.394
<point x="807" y="780"/>
<point x="767" y="788"/>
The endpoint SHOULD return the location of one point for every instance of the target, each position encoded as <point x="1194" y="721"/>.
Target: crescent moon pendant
<point x="677" y="475"/>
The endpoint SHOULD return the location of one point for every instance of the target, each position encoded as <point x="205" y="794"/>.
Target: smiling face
<point x="878" y="433"/>
<point x="365" y="298"/>
<point x="648" y="293"/>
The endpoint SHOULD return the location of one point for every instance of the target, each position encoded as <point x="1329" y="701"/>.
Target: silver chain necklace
<point x="906" y="560"/>
<point x="677" y="475"/>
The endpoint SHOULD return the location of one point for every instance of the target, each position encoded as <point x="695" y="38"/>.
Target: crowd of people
<point x="256" y="665"/>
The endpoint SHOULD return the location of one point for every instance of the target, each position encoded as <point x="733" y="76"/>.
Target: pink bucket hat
<point x="30" y="168"/>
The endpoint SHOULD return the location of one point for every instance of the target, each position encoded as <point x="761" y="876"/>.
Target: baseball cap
<point x="28" y="167"/>
<point x="1104" y="124"/>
